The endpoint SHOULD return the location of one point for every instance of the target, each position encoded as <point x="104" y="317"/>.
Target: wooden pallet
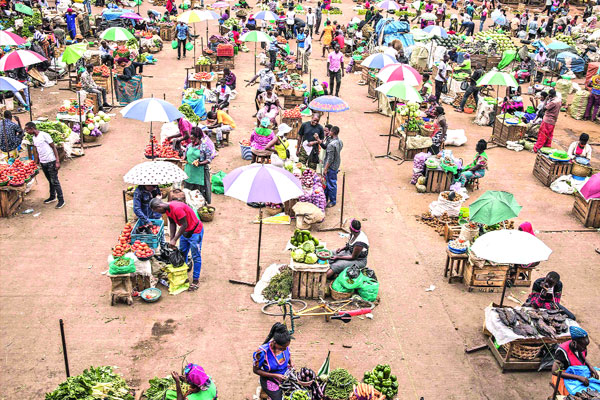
<point x="490" y="278"/>
<point x="547" y="170"/>
<point x="309" y="285"/>
<point x="438" y="180"/>
<point x="292" y="101"/>
<point x="587" y="211"/>
<point x="295" y="124"/>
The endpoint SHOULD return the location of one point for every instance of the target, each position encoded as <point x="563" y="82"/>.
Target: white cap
<point x="283" y="129"/>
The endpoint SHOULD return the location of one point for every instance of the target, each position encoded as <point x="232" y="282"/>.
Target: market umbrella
<point x="130" y="15"/>
<point x="22" y="8"/>
<point x="155" y="173"/>
<point x="378" y="60"/>
<point x="510" y="246"/>
<point x="398" y="90"/>
<point x="10" y="84"/>
<point x="10" y="39"/>
<point x="190" y="17"/>
<point x="388" y="5"/>
<point x="260" y="183"/>
<point x="220" y="4"/>
<point x="73" y="53"/>
<point x="497" y="78"/>
<point x="400" y="72"/>
<point x="591" y="189"/>
<point x="116" y="34"/>
<point x="419" y="34"/>
<point x="255" y="36"/>
<point x="266" y="16"/>
<point x="499" y="20"/>
<point x="558" y="45"/>
<point x="493" y="207"/>
<point x="436" y="30"/>
<point x="20" y="58"/>
<point x="328" y="104"/>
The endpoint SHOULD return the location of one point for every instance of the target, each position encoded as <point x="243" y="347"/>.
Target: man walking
<point x="50" y="162"/>
<point x="441" y="77"/>
<point x="319" y="16"/>
<point x="472" y="89"/>
<point x="310" y="21"/>
<point x="11" y="135"/>
<point x="189" y="234"/>
<point x="546" y="132"/>
<point x="331" y="164"/>
<point x="182" y="34"/>
<point x="267" y="79"/>
<point x="335" y="69"/>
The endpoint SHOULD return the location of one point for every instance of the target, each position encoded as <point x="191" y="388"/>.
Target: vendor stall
<point x="587" y="210"/>
<point x="547" y="169"/>
<point x="197" y="80"/>
<point x="508" y="128"/>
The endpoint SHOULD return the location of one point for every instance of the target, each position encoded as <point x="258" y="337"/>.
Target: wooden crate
<point x="547" y="170"/>
<point x="587" y="211"/>
<point x="455" y="266"/>
<point x="372" y="83"/>
<point x="492" y="62"/>
<point x="451" y="232"/>
<point x="202" y="68"/>
<point x="167" y="33"/>
<point x="438" y="180"/>
<point x="309" y="285"/>
<point x="490" y="278"/>
<point x="408" y="154"/>
<point x="503" y="132"/>
<point x="295" y="124"/>
<point x="292" y="101"/>
<point x="10" y="200"/>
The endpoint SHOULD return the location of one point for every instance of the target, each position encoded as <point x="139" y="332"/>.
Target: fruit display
<point x="448" y="42"/>
<point x="102" y="71"/>
<point x="561" y="37"/>
<point x="301" y="236"/>
<point x="122" y="247"/>
<point x="333" y="11"/>
<point x="502" y="41"/>
<point x="410" y="109"/>
<point x="245" y="142"/>
<point x="192" y="94"/>
<point x="382" y="380"/>
<point x="18" y="173"/>
<point x="529" y="322"/>
<point x="202" y="60"/>
<point x="292" y="113"/>
<point x="160" y="151"/>
<point x="141" y="249"/>
<point x="203" y="76"/>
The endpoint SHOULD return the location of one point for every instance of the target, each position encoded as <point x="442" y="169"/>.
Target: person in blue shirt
<point x="272" y="361"/>
<point x="70" y="17"/>
<point x="142" y="196"/>
<point x="183" y="32"/>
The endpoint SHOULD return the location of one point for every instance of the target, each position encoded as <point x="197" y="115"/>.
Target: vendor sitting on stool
<point x="581" y="148"/>
<point x="129" y="68"/>
<point x="546" y="293"/>
<point x="202" y="387"/>
<point x="272" y="360"/>
<point x="572" y="353"/>
<point x="142" y="197"/>
<point x="477" y="168"/>
<point x="354" y="253"/>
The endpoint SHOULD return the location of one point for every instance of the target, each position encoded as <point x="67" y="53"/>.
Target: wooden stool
<point x="455" y="265"/>
<point x="121" y="289"/>
<point x="523" y="281"/>
<point x="474" y="183"/>
<point x="261" y="156"/>
<point x="94" y="98"/>
<point x="225" y="139"/>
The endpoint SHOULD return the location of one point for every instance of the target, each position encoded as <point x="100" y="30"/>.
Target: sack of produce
<point x="121" y="265"/>
<point x="369" y="289"/>
<point x="177" y="278"/>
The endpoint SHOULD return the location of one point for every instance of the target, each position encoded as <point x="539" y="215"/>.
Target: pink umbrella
<point x="400" y="72"/>
<point x="20" y="58"/>
<point x="591" y="189"/>
<point x="10" y="39"/>
<point x="220" y="4"/>
<point x="130" y="15"/>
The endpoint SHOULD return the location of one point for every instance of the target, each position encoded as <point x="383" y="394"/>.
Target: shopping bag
<point x="174" y="44"/>
<point x="369" y="289"/>
<point x="217" y="182"/>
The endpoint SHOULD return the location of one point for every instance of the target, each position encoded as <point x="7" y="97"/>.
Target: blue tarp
<point x="571" y="62"/>
<point x="574" y="386"/>
<point x="394" y="30"/>
<point x="109" y="14"/>
<point x="197" y="106"/>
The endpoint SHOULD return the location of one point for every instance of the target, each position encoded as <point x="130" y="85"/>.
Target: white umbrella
<point x="151" y="109"/>
<point x="507" y="246"/>
<point x="155" y="173"/>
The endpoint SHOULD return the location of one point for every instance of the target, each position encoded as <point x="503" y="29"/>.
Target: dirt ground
<point x="61" y="255"/>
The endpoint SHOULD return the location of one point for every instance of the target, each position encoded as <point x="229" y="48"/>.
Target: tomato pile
<point x="123" y="246"/>
<point x="102" y="70"/>
<point x="142" y="250"/>
<point x="245" y="142"/>
<point x="17" y="173"/>
<point x="203" y="76"/>
<point x="292" y="113"/>
<point x="161" y="151"/>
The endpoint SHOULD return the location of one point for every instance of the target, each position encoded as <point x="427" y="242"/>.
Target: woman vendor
<point x="272" y="360"/>
<point x="477" y="168"/>
<point x="261" y="137"/>
<point x="354" y="253"/>
<point x="431" y="105"/>
<point x="546" y="293"/>
<point x="279" y="146"/>
<point x="197" y="156"/>
<point x="202" y="387"/>
<point x="581" y="148"/>
<point x="465" y="66"/>
<point x="572" y="353"/>
<point x="142" y="196"/>
<point x="181" y="139"/>
<point x="270" y="105"/>
<point x="440" y="128"/>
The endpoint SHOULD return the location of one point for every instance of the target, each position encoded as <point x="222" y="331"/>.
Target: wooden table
<point x="587" y="211"/>
<point x="438" y="180"/>
<point x="547" y="170"/>
<point x="10" y="199"/>
<point x="455" y="265"/>
<point x="488" y="278"/>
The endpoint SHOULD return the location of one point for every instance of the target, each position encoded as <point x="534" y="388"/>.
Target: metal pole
<point x="504" y="288"/>
<point x="80" y="122"/>
<point x="343" y="197"/>
<point x="259" y="240"/>
<point x="557" y="384"/>
<point x="64" y="346"/>
<point x="112" y="87"/>
<point x="30" y="104"/>
<point x="255" y="58"/>
<point x="125" y="205"/>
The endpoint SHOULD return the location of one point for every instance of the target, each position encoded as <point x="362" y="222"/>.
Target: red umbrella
<point x="591" y="189"/>
<point x="20" y="58"/>
<point x="400" y="72"/>
<point x="10" y="39"/>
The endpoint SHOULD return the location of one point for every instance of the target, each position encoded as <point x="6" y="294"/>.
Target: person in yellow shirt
<point x="219" y="122"/>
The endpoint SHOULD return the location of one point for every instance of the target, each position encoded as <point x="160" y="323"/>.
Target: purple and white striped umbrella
<point x="388" y="5"/>
<point x="260" y="183"/>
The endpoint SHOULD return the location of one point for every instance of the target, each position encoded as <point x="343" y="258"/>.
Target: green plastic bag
<point x="369" y="289"/>
<point x="174" y="44"/>
<point x="346" y="282"/>
<point x="337" y="286"/>
<point x="217" y="182"/>
<point x="189" y="46"/>
<point x="125" y="269"/>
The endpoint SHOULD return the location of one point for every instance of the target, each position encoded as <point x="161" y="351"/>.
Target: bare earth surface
<point x="51" y="267"/>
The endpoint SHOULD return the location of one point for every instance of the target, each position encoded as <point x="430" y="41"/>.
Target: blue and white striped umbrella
<point x="151" y="110"/>
<point x="436" y="31"/>
<point x="378" y="60"/>
<point x="266" y="16"/>
<point x="388" y="5"/>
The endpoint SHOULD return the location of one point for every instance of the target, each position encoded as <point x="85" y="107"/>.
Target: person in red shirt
<point x="339" y="38"/>
<point x="236" y="36"/>
<point x="190" y="232"/>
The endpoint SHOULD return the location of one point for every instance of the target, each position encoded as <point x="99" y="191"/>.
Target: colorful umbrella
<point x="116" y="34"/>
<point x="266" y="16"/>
<point x="130" y="15"/>
<point x="73" y="53"/>
<point x="152" y="109"/>
<point x="400" y="90"/>
<point x="190" y="17"/>
<point x="220" y="4"/>
<point x="493" y="207"/>
<point x="20" y="58"/>
<point x="10" y="39"/>
<point x="591" y="189"/>
<point x="558" y="45"/>
<point x="208" y="15"/>
<point x="510" y="246"/>
<point x="255" y="36"/>
<point x="22" y="8"/>
<point x="378" y="60"/>
<point x="10" y="84"/>
<point x="400" y="72"/>
<point x="436" y="31"/>
<point x="428" y="17"/>
<point x="388" y="5"/>
<point x="155" y="173"/>
<point x="497" y="78"/>
<point x="328" y="104"/>
<point x="499" y="20"/>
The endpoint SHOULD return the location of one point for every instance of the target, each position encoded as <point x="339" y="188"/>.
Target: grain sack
<point x="563" y="86"/>
<point x="579" y="103"/>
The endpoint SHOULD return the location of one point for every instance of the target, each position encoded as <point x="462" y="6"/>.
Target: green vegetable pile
<point x="132" y="43"/>
<point x="58" y="131"/>
<point x="158" y="388"/>
<point x="299" y="395"/>
<point x="122" y="262"/>
<point x="382" y="379"/>
<point x="306" y="245"/>
<point x="280" y="286"/>
<point x="189" y="113"/>
<point x="339" y="384"/>
<point x="93" y="383"/>
<point x="301" y="236"/>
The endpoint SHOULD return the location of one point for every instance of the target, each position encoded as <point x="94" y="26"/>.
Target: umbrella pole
<point x="255" y="58"/>
<point x="30" y="104"/>
<point x="389" y="135"/>
<point x="504" y="288"/>
<point x="341" y="227"/>
<point x="151" y="141"/>
<point x="260" y="224"/>
<point x="80" y="122"/>
<point x="207" y="32"/>
<point x="112" y="88"/>
<point x="194" y="61"/>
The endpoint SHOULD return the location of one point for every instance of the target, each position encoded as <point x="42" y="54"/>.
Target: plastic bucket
<point x="246" y="152"/>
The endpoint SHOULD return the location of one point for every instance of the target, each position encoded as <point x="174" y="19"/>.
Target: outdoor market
<point x="354" y="200"/>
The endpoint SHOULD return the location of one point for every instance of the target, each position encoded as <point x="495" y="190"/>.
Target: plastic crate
<point x="152" y="240"/>
<point x="225" y="50"/>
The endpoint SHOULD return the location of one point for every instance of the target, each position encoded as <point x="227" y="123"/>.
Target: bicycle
<point x="342" y="310"/>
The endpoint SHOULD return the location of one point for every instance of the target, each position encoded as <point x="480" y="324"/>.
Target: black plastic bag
<point x="176" y="258"/>
<point x="369" y="273"/>
<point x="352" y="272"/>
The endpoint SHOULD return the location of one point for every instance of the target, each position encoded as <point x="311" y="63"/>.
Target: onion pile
<point x="418" y="166"/>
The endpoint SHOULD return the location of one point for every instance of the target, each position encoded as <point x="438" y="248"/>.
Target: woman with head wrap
<point x="354" y="253"/>
<point x="202" y="387"/>
<point x="572" y="353"/>
<point x="272" y="360"/>
<point x="198" y="157"/>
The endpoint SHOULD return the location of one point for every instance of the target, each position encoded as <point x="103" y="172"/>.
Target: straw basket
<point x="580" y="170"/>
<point x="299" y="92"/>
<point x="287" y="92"/>
<point x="89" y="138"/>
<point x="207" y="216"/>
<point x="524" y="351"/>
<point x="339" y="295"/>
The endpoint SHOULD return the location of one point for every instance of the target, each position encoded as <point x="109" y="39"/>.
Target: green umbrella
<point x="73" y="53"/>
<point x="497" y="78"/>
<point x="22" y="8"/>
<point x="256" y="36"/>
<point x="493" y="207"/>
<point x="116" y="34"/>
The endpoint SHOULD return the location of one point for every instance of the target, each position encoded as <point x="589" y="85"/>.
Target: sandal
<point x="193" y="287"/>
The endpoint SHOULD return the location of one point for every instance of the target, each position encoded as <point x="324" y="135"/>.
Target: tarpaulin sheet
<point x="507" y="57"/>
<point x="109" y="15"/>
<point x="198" y="106"/>
<point x="574" y="386"/>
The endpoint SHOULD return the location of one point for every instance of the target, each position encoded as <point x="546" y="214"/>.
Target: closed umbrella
<point x="10" y="39"/>
<point x="260" y="183"/>
<point x="155" y="173"/>
<point x="73" y="53"/>
<point x="510" y="246"/>
<point x="20" y="58"/>
<point x="493" y="207"/>
<point x="116" y="34"/>
<point x="591" y="189"/>
<point x="255" y="36"/>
